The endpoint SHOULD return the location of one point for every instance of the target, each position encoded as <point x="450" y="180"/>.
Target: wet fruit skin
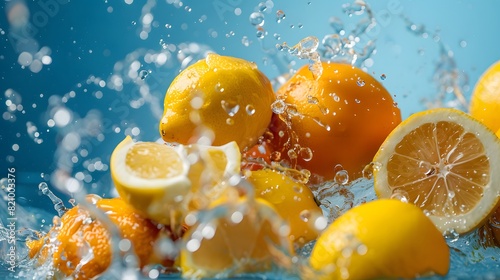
<point x="79" y="231"/>
<point x="342" y="117"/>
<point x="227" y="95"/>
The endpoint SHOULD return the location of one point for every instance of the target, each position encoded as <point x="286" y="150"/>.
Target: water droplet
<point x="219" y="88"/>
<point x="143" y="74"/>
<point x="245" y="41"/>
<point x="229" y="121"/>
<point x="277" y="36"/>
<point x="306" y="153"/>
<point x="360" y="82"/>
<point x="305" y="215"/>
<point x="357" y="101"/>
<point x="451" y="235"/>
<point x="279" y="106"/>
<point x="257" y="19"/>
<point x="230" y="108"/>
<point x="134" y="22"/>
<point x="341" y="177"/>
<point x="400" y="195"/>
<point x="261" y="33"/>
<point x="383" y="77"/>
<point x="368" y="171"/>
<point x="168" y="26"/>
<point x="250" y="110"/>
<point x="280" y="15"/>
<point x="58" y="203"/>
<point x="262" y="7"/>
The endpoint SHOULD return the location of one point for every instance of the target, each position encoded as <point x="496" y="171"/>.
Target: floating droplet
<point x="257" y="19"/>
<point x="383" y="77"/>
<point x="250" y="110"/>
<point x="360" y="83"/>
<point x="280" y="15"/>
<point x="341" y="177"/>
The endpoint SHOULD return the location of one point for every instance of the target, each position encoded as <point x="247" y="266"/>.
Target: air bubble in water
<point x="383" y="77"/>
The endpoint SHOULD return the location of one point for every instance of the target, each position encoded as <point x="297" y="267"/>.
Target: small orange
<point x="79" y="233"/>
<point x="340" y="117"/>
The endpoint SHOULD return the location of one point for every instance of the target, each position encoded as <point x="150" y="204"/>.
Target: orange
<point x="445" y="162"/>
<point x="340" y="117"/>
<point x="79" y="232"/>
<point x="293" y="200"/>
<point x="485" y="101"/>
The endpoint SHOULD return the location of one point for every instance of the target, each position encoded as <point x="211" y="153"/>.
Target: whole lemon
<point x="385" y="238"/>
<point x="485" y="101"/>
<point x="337" y="118"/>
<point x="227" y="95"/>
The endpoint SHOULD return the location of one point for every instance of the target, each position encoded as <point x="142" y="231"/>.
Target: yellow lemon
<point x="293" y="200"/>
<point x="379" y="239"/>
<point x="485" y="101"/>
<point x="227" y="95"/>
<point x="446" y="163"/>
<point x="234" y="237"/>
<point x="164" y="181"/>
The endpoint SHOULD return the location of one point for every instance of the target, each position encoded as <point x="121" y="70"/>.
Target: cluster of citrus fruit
<point x="232" y="178"/>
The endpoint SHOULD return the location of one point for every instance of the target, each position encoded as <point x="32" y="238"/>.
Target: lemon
<point x="485" y="100"/>
<point x="383" y="238"/>
<point x="294" y="202"/>
<point x="234" y="237"/>
<point x="446" y="163"/>
<point x="227" y="95"/>
<point x="164" y="182"/>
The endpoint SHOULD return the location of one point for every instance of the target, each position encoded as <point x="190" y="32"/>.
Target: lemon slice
<point x="160" y="180"/>
<point x="446" y="163"/>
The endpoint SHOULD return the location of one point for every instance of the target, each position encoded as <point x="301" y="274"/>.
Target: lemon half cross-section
<point x="445" y="162"/>
<point x="160" y="180"/>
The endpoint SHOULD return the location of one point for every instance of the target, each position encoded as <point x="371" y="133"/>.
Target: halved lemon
<point x="162" y="180"/>
<point x="445" y="162"/>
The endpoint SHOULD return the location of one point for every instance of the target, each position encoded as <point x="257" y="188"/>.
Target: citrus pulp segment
<point x="445" y="162"/>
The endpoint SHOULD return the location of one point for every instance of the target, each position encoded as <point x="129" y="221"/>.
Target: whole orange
<point x="340" y="117"/>
<point x="80" y="235"/>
